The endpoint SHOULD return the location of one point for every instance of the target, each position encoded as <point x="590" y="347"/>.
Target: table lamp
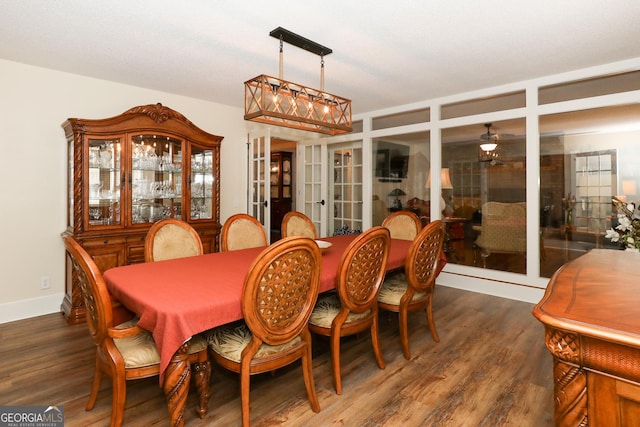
<point x="396" y="192"/>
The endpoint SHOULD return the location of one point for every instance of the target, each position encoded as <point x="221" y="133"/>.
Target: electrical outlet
<point x="45" y="283"/>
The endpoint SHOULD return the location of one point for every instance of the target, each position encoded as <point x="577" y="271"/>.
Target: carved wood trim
<point x="158" y="113"/>
<point x="570" y="390"/>
<point x="563" y="345"/>
<point x="78" y="181"/>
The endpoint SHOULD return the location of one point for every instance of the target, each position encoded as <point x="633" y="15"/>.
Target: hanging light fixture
<point x="278" y="102"/>
<point x="488" y="148"/>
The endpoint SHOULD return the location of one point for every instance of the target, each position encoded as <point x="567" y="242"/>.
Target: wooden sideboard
<point x="590" y="311"/>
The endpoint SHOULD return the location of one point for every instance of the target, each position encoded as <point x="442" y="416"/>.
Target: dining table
<point x="179" y="298"/>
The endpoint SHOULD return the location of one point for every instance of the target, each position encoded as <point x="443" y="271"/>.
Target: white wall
<point x="34" y="103"/>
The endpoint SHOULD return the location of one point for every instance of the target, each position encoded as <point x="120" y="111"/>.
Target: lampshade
<point x="629" y="188"/>
<point x="279" y="102"/>
<point x="397" y="192"/>
<point x="488" y="147"/>
<point x="487" y="151"/>
<point x="445" y="179"/>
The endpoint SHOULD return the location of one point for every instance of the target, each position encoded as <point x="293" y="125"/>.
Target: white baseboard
<point x="503" y="289"/>
<point x="24" y="309"/>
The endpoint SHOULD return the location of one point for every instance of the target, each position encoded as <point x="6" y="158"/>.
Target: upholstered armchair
<point x="420" y="207"/>
<point x="379" y="210"/>
<point x="503" y="230"/>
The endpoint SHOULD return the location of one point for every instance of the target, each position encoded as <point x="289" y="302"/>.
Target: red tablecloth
<point x="176" y="299"/>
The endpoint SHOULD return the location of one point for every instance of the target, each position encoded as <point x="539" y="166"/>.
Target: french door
<point x="314" y="185"/>
<point x="332" y="186"/>
<point x="258" y="200"/>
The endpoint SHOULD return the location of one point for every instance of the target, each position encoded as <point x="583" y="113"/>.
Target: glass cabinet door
<point x="103" y="184"/>
<point x="275" y="182"/>
<point x="202" y="184"/>
<point x="286" y="178"/>
<point x="156" y="178"/>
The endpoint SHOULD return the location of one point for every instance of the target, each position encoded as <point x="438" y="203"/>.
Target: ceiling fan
<point x="488" y="146"/>
<point x="489" y="137"/>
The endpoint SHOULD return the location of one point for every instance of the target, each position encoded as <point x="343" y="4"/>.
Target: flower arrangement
<point x="628" y="225"/>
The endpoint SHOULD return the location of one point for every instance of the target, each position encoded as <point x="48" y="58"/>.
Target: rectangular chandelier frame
<point x="278" y="102"/>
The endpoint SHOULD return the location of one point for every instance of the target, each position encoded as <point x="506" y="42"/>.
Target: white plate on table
<point x="323" y="245"/>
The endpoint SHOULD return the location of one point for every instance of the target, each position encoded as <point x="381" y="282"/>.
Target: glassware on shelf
<point x="95" y="213"/>
<point x="94" y="157"/>
<point x="106" y="157"/>
<point x="94" y="190"/>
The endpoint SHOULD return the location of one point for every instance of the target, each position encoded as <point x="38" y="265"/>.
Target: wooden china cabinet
<point x="129" y="171"/>
<point x="281" y="190"/>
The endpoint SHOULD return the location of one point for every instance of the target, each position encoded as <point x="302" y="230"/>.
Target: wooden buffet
<point x="592" y="328"/>
<point x="129" y="171"/>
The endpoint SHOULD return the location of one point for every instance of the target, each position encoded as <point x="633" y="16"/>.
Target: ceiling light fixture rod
<point x="299" y="41"/>
<point x="281" y="59"/>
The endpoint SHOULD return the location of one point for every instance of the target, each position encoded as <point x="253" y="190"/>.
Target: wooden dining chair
<point x="171" y="238"/>
<point x="353" y="307"/>
<point x="412" y="289"/>
<point x="279" y="293"/>
<point x="403" y="225"/>
<point x="298" y="224"/>
<point x="125" y="351"/>
<point x="242" y="231"/>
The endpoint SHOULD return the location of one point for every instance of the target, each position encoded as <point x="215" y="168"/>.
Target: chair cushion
<point x="393" y="287"/>
<point x="299" y="227"/>
<point x="327" y="308"/>
<point x="137" y="351"/>
<point x="244" y="234"/>
<point x="197" y="344"/>
<point x="229" y="341"/>
<point x="402" y="227"/>
<point x="173" y="241"/>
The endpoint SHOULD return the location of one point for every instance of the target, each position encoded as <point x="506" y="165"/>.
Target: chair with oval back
<point x="403" y="225"/>
<point x="125" y="351"/>
<point x="353" y="307"/>
<point x="298" y="224"/>
<point x="279" y="293"/>
<point x="413" y="289"/>
<point x="242" y="231"/>
<point x="171" y="238"/>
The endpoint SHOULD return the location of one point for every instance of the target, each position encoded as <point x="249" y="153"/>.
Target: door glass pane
<point x="346" y="187"/>
<point x="314" y="202"/>
<point x="260" y="179"/>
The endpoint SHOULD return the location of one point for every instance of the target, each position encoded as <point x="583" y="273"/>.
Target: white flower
<point x="624" y="223"/>
<point x="631" y="241"/>
<point x="613" y="235"/>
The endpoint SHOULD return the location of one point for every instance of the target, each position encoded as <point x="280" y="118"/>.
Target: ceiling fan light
<point x="488" y="147"/>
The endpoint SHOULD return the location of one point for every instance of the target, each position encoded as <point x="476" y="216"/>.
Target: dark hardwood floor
<point x="489" y="369"/>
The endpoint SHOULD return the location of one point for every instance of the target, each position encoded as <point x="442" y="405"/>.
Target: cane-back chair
<point x="125" y="351"/>
<point x="413" y="289"/>
<point x="242" y="231"/>
<point x="353" y="307"/>
<point x="171" y="238"/>
<point x="279" y="293"/>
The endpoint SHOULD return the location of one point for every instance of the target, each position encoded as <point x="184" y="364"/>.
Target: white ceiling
<point x="385" y="53"/>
